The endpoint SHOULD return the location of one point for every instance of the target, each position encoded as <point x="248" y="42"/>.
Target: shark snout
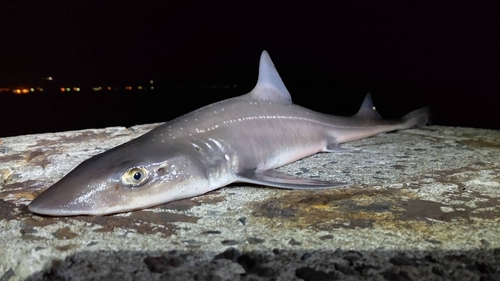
<point x="48" y="209"/>
<point x="54" y="202"/>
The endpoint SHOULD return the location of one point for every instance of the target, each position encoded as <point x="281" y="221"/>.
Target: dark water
<point x="55" y="111"/>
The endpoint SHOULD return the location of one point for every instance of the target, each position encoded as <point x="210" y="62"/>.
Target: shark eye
<point x="135" y="176"/>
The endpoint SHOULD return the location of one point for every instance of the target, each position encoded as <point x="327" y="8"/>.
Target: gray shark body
<point x="241" y="139"/>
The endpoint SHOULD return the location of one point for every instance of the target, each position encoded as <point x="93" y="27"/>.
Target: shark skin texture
<point x="241" y="139"/>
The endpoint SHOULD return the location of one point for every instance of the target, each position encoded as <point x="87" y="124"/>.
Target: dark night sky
<point x="441" y="53"/>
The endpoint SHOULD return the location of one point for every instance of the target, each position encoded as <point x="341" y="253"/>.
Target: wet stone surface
<point x="421" y="205"/>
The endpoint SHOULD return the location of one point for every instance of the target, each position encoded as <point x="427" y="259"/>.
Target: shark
<point x="240" y="139"/>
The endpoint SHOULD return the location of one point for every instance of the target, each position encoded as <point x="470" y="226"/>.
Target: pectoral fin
<point x="278" y="179"/>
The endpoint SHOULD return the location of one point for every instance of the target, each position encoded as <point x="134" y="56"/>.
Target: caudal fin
<point x="417" y="118"/>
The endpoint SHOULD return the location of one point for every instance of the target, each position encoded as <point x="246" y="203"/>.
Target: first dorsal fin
<point x="367" y="110"/>
<point x="269" y="86"/>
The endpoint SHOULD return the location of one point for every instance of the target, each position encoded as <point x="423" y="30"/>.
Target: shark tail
<point x="417" y="118"/>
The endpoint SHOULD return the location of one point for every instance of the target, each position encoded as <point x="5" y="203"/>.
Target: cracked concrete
<point x="422" y="204"/>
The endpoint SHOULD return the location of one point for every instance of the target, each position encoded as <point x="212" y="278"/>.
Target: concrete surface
<point x="423" y="205"/>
